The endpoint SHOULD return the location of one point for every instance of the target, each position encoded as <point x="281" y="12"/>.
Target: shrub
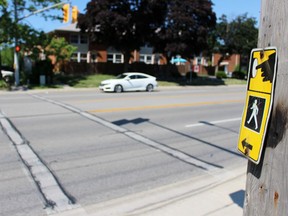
<point x="221" y="75"/>
<point x="42" y="68"/>
<point x="239" y="75"/>
<point x="4" y="85"/>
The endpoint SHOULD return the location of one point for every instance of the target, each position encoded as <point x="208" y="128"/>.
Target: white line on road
<point x="213" y="122"/>
<point x="10" y="131"/>
<point x="55" y="198"/>
<point x="173" y="152"/>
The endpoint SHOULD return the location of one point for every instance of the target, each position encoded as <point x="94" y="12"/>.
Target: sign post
<point x="259" y="99"/>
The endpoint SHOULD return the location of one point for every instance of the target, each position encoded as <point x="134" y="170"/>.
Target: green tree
<point x="14" y="31"/>
<point x="170" y="26"/>
<point x="7" y="56"/>
<point x="122" y="24"/>
<point x="61" y="49"/>
<point x="186" y="28"/>
<point x="12" y="22"/>
<point x="237" y="36"/>
<point x="6" y="23"/>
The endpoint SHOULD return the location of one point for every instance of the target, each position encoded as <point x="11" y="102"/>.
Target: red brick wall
<point x="232" y="60"/>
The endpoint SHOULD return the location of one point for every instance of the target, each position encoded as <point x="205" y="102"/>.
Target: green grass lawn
<point x="87" y="81"/>
<point x="93" y="81"/>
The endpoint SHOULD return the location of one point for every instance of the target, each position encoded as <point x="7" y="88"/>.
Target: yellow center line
<point x="164" y="106"/>
<point x="151" y="97"/>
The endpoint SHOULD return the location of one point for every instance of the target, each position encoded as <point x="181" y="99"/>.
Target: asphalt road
<point x="64" y="149"/>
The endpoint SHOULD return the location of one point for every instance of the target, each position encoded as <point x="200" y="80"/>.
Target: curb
<point x="212" y="194"/>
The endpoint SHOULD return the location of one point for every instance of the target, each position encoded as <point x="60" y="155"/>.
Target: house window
<point x="109" y="57"/>
<point x="118" y="58"/>
<point x="74" y="38"/>
<point x="93" y="58"/>
<point x="78" y="39"/>
<point x="115" y="58"/>
<point x="74" y="57"/>
<point x="83" y="39"/>
<point x="83" y="57"/>
<point x="148" y="59"/>
<point x="78" y="57"/>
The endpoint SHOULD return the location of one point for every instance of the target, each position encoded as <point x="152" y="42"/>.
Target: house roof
<point x="69" y="28"/>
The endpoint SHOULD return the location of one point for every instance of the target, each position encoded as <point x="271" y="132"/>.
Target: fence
<point x="162" y="72"/>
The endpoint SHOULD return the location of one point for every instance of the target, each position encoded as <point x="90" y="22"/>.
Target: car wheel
<point x="118" y="89"/>
<point x="7" y="79"/>
<point x="149" y="88"/>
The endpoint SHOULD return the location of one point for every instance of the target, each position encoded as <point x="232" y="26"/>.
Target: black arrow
<point x="267" y="68"/>
<point x="246" y="144"/>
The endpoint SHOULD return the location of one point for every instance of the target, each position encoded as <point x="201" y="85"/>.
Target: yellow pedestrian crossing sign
<point x="259" y="98"/>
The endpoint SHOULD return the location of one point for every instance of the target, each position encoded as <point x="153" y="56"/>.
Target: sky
<point x="231" y="8"/>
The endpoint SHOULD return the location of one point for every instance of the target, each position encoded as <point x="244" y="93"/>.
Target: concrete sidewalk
<point x="224" y="199"/>
<point x="218" y="195"/>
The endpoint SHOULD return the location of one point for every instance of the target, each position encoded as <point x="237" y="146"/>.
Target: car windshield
<point x="7" y="68"/>
<point x="121" y="76"/>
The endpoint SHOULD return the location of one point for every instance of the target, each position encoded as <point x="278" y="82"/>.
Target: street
<point x="64" y="149"/>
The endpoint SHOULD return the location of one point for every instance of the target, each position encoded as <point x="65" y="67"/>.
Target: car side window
<point x="141" y="77"/>
<point x="133" y="77"/>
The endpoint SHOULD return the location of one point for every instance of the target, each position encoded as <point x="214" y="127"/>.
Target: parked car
<point x="7" y="74"/>
<point x="129" y="81"/>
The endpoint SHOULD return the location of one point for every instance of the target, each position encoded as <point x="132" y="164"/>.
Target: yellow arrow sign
<point x="259" y="99"/>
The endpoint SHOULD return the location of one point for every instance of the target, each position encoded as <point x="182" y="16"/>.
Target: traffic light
<point x="17" y="48"/>
<point x="74" y="14"/>
<point x="65" y="10"/>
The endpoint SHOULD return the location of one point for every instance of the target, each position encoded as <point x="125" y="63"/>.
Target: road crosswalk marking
<point x="54" y="197"/>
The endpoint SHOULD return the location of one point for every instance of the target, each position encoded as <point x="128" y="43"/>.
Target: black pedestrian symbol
<point x="254" y="113"/>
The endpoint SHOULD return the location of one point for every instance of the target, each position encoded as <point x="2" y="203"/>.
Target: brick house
<point x="227" y="63"/>
<point x="89" y="52"/>
<point x="92" y="53"/>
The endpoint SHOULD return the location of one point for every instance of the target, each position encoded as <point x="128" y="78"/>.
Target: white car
<point x="7" y="74"/>
<point x="130" y="81"/>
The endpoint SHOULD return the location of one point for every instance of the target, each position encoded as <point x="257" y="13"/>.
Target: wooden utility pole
<point x="267" y="182"/>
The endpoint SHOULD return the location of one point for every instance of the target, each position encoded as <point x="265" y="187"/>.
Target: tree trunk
<point x="127" y="56"/>
<point x="267" y="182"/>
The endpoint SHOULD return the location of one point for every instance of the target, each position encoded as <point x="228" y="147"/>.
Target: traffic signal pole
<point x="42" y="10"/>
<point x="16" y="20"/>
<point x="266" y="185"/>
<point x="16" y="59"/>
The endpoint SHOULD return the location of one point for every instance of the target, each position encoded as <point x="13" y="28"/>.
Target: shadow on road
<point x="140" y="120"/>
